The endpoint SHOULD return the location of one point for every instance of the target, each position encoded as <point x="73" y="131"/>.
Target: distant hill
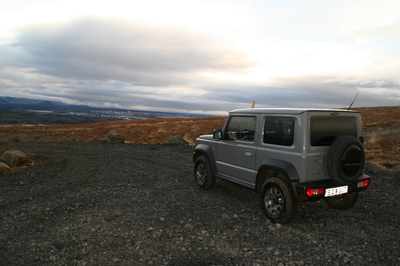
<point x="380" y="124"/>
<point x="26" y="101"/>
<point x="14" y="103"/>
<point x="24" y="111"/>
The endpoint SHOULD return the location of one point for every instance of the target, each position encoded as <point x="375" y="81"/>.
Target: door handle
<point x="248" y="152"/>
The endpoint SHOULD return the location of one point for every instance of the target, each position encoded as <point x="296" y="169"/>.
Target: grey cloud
<point x="106" y="48"/>
<point x="120" y="63"/>
<point x="339" y="91"/>
<point x="317" y="91"/>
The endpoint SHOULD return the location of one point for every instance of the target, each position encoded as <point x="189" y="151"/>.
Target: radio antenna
<point x="353" y="101"/>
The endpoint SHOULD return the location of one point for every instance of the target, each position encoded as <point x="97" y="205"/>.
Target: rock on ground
<point x="114" y="137"/>
<point x="176" y="140"/>
<point x="375" y="169"/>
<point x="395" y="173"/>
<point x="4" y="168"/>
<point x="13" y="158"/>
<point x="4" y="146"/>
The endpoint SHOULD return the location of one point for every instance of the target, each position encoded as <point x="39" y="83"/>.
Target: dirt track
<point x="133" y="204"/>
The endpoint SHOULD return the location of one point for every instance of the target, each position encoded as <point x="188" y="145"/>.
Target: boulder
<point x="176" y="140"/>
<point x="395" y="173"/>
<point x="67" y="138"/>
<point x="4" y="146"/>
<point x="13" y="158"/>
<point x="375" y="169"/>
<point x="114" y="137"/>
<point x="14" y="139"/>
<point x="4" y="168"/>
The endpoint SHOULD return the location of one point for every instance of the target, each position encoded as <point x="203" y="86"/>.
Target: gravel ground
<point x="131" y="204"/>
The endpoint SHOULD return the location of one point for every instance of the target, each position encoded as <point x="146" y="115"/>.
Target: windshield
<point x="324" y="130"/>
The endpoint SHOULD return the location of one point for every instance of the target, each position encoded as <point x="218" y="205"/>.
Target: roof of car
<point x="285" y="110"/>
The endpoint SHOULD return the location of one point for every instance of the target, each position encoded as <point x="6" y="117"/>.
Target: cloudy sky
<point x="206" y="56"/>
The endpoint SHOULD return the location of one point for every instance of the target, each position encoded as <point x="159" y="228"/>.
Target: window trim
<point x="282" y="143"/>
<point x="226" y="135"/>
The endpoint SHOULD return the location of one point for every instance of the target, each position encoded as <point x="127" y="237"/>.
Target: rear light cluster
<point x="363" y="183"/>
<point x="320" y="191"/>
<point x="312" y="192"/>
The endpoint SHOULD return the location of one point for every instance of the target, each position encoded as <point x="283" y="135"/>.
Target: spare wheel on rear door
<point x="346" y="159"/>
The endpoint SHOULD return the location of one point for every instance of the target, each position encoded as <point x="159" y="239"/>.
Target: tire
<point x="277" y="200"/>
<point x="346" y="159"/>
<point x="342" y="202"/>
<point x="202" y="173"/>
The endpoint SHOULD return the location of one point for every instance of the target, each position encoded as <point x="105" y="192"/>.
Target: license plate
<point x="330" y="192"/>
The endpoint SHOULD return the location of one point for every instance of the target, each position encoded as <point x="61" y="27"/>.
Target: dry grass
<point x="136" y="131"/>
<point x="381" y="127"/>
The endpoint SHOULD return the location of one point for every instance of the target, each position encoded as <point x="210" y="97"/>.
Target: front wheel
<point x="342" y="202"/>
<point x="202" y="173"/>
<point x="277" y="200"/>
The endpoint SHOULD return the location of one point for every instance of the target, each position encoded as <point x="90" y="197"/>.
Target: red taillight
<point x="312" y="192"/>
<point x="363" y="183"/>
<point x="335" y="114"/>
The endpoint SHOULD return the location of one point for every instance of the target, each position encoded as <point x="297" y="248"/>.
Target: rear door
<point x="325" y="128"/>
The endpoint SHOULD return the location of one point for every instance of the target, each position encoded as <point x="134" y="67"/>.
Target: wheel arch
<point x="205" y="150"/>
<point x="273" y="167"/>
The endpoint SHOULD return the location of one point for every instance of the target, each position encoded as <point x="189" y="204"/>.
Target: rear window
<point x="279" y="131"/>
<point x="324" y="130"/>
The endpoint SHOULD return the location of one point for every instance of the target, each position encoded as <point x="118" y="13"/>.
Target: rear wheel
<point x="202" y="173"/>
<point x="343" y="202"/>
<point x="277" y="200"/>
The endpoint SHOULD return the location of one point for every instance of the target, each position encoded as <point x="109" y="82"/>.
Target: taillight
<point x="312" y="192"/>
<point x="363" y="183"/>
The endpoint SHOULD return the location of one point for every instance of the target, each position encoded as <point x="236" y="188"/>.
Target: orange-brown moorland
<point x="381" y="127"/>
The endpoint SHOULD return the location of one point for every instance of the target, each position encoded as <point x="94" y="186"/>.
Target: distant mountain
<point x="26" y="101"/>
<point x="14" y="103"/>
<point x="15" y="111"/>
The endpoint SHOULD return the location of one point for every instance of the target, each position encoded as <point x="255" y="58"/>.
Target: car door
<point x="237" y="150"/>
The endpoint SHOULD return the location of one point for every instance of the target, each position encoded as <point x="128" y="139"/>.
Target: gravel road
<point x="132" y="204"/>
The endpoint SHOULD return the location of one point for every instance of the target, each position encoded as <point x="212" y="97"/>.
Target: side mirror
<point x="217" y="134"/>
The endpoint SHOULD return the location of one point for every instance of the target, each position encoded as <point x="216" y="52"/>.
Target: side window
<point x="241" y="128"/>
<point x="279" y="130"/>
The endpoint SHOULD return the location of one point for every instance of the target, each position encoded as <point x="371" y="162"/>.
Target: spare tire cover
<point x="346" y="159"/>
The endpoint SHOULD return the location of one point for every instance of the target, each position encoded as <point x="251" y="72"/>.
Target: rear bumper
<point x="301" y="188"/>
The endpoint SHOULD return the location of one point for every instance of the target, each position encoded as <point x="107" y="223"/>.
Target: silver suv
<point x="288" y="156"/>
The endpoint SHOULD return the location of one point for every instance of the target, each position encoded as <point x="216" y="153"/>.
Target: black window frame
<point x="276" y="133"/>
<point x="242" y="134"/>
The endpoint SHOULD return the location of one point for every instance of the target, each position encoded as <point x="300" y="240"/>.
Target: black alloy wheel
<point x="277" y="200"/>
